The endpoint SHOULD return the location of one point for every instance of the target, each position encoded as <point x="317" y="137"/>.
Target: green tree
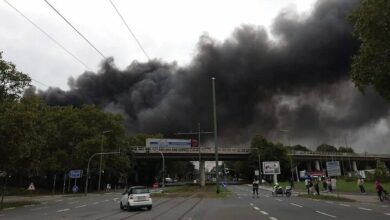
<point x="380" y="171"/>
<point x="345" y="150"/>
<point x="326" y="148"/>
<point x="298" y="147"/>
<point x="371" y="65"/>
<point x="12" y="82"/>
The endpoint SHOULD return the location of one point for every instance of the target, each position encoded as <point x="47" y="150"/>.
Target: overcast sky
<point x="168" y="30"/>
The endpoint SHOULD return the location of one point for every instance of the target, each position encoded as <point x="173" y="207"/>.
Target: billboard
<point x="162" y="142"/>
<point x="333" y="168"/>
<point x="271" y="167"/>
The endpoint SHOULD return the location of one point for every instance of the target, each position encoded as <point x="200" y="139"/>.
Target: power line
<point x="128" y="28"/>
<point x="43" y="84"/>
<point x="75" y="29"/>
<point x="47" y="35"/>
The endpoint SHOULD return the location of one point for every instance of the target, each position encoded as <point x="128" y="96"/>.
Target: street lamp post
<point x="215" y="135"/>
<point x="163" y="169"/>
<point x="101" y="159"/>
<point x="89" y="162"/>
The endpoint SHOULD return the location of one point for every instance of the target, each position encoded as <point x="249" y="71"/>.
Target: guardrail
<point x="335" y="154"/>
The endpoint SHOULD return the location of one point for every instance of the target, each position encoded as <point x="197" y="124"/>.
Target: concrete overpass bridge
<point x="305" y="160"/>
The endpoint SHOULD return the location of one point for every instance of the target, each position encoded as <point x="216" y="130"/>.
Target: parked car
<point x="136" y="197"/>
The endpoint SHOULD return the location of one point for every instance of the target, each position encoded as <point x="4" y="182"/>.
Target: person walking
<point x="255" y="185"/>
<point x="360" y="183"/>
<point x="316" y="186"/>
<point x="329" y="184"/>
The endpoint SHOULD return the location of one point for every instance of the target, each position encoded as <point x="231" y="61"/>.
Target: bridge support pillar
<point x="308" y="166"/>
<point x="202" y="173"/>
<point x="317" y="165"/>
<point x="354" y="166"/>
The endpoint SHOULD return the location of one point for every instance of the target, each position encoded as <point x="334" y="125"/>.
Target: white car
<point x="136" y="197"/>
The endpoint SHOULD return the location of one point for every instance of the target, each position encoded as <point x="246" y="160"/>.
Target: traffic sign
<point x="75" y="188"/>
<point x="75" y="174"/>
<point x="31" y="187"/>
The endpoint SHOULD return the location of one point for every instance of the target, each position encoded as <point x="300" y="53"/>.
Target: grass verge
<point x="18" y="204"/>
<point x="327" y="197"/>
<point x="209" y="191"/>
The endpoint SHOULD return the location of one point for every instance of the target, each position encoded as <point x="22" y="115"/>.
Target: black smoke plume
<point x="297" y="81"/>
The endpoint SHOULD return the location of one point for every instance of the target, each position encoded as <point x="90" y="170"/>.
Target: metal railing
<point x="227" y="150"/>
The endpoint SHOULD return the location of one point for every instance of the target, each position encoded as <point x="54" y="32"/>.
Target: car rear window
<point x="140" y="191"/>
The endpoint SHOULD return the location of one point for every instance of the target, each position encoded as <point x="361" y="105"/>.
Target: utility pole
<point x="215" y="135"/>
<point x="101" y="159"/>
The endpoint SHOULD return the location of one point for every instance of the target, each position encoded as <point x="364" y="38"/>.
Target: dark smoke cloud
<point x="297" y="80"/>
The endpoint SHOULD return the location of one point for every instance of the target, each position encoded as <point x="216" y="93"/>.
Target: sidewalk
<point x="358" y="197"/>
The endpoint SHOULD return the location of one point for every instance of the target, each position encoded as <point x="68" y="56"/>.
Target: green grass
<point x="209" y="191"/>
<point x="18" y="204"/>
<point x="342" y="186"/>
<point x="327" y="197"/>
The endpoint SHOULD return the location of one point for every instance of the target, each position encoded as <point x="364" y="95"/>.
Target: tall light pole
<point x="101" y="159"/>
<point x="215" y="135"/>
<point x="163" y="169"/>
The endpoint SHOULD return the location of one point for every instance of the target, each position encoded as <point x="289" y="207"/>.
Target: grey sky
<point x="168" y="30"/>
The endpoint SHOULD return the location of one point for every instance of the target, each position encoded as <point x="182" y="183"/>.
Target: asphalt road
<point x="240" y="206"/>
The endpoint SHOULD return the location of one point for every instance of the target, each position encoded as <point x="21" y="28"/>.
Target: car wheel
<point x="149" y="208"/>
<point x="120" y="205"/>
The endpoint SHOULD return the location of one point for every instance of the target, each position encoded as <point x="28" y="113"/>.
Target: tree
<point x="298" y="147"/>
<point x="371" y="65"/>
<point x="12" y="82"/>
<point x="326" y="148"/>
<point x="346" y="150"/>
<point x="380" y="170"/>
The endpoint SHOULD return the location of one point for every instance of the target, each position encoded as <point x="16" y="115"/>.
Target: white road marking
<point x="60" y="200"/>
<point x="296" y="205"/>
<point x="73" y="202"/>
<point x="362" y="208"/>
<point x="257" y="208"/>
<point x="239" y="197"/>
<point x="62" y="210"/>
<point x="344" y="205"/>
<point x="279" y="200"/>
<point x="323" y="213"/>
<point x="386" y="213"/>
<point x="10" y="208"/>
<point x="273" y="218"/>
<point x="96" y="203"/>
<point x="384" y="206"/>
<point x="264" y="213"/>
<point x="80" y="206"/>
<point x="28" y="205"/>
<point x="329" y="202"/>
<point x="251" y="204"/>
<point x="44" y="207"/>
<point x="105" y="200"/>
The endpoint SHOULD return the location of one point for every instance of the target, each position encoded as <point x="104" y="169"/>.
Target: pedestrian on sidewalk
<point x="255" y="185"/>
<point x="329" y="184"/>
<point x="379" y="189"/>
<point x="324" y="186"/>
<point x="360" y="183"/>
<point x="316" y="186"/>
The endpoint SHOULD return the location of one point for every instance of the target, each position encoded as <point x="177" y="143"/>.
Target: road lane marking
<point x="264" y="213"/>
<point x="386" y="213"/>
<point x="323" y="213"/>
<point x="105" y="200"/>
<point x="10" y="208"/>
<point x="251" y="204"/>
<point x="239" y="197"/>
<point x="257" y="208"/>
<point x="273" y="218"/>
<point x="96" y="203"/>
<point x="80" y="206"/>
<point x="73" y="202"/>
<point x="279" y="200"/>
<point x="362" y="208"/>
<point x="384" y="206"/>
<point x="296" y="205"/>
<point x="329" y="202"/>
<point x="44" y="207"/>
<point x="28" y="205"/>
<point x="345" y="205"/>
<point x="62" y="210"/>
<point x="59" y="200"/>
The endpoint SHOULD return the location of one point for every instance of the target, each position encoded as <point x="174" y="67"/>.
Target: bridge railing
<point x="335" y="154"/>
<point x="232" y="150"/>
